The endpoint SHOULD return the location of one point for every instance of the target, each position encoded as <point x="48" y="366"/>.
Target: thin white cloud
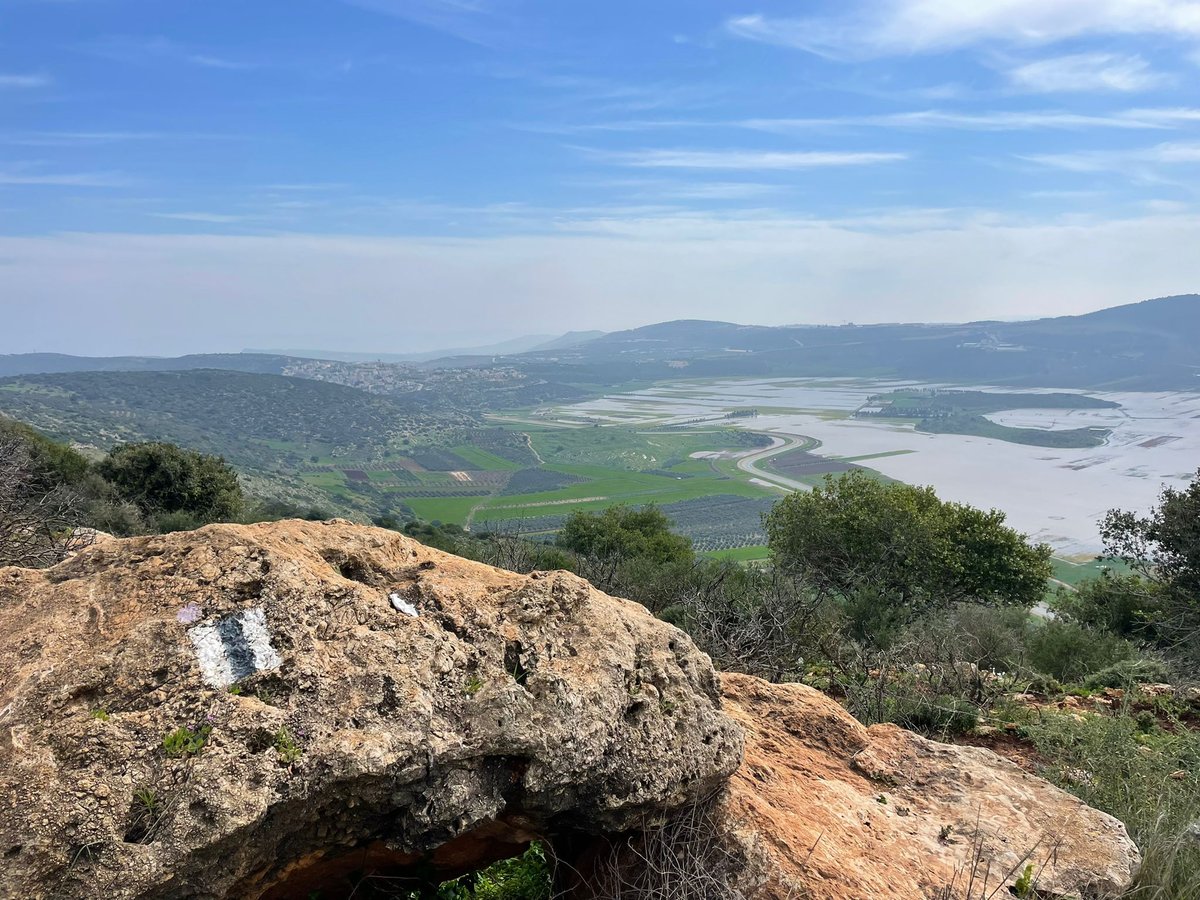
<point x="92" y="138"/>
<point x="217" y="62"/>
<point x="203" y="217"/>
<point x="64" y="179"/>
<point x="467" y="20"/>
<point x="896" y="27"/>
<point x="1086" y="72"/>
<point x="138" y="49"/>
<point x="917" y="120"/>
<point x="717" y="190"/>
<point x="1167" y="154"/>
<point x="1023" y="120"/>
<point x="15" y="81"/>
<point x="747" y="160"/>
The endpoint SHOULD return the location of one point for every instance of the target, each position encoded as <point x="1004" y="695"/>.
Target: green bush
<point x="1070" y="652"/>
<point x="938" y="715"/>
<point x="526" y="877"/>
<point x="162" y="479"/>
<point x="1126" y="672"/>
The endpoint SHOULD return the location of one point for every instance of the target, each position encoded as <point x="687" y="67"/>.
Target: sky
<point x="393" y="175"/>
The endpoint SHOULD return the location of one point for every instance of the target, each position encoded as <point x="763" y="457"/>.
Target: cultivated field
<point x="1055" y="494"/>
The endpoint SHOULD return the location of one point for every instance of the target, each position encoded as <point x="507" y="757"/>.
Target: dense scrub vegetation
<point x="917" y="611"/>
<point x="52" y="497"/>
<point x="940" y="411"/>
<point x="907" y="608"/>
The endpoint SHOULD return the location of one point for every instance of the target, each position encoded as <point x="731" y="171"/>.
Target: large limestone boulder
<point x="273" y="710"/>
<point x="824" y="807"/>
<point x="285" y="710"/>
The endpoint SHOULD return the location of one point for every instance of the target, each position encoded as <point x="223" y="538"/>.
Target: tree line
<point x="53" y="499"/>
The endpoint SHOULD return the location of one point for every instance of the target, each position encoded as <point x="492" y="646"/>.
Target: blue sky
<point x="181" y="175"/>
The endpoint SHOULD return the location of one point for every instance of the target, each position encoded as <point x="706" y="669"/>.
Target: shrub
<point x="1070" y="652"/>
<point x="1147" y="780"/>
<point x="1142" y="670"/>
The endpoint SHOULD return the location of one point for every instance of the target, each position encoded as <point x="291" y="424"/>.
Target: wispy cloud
<point x="895" y="27"/>
<point x="1002" y="120"/>
<point x="1149" y="118"/>
<point x="203" y="217"/>
<point x="94" y="138"/>
<point x="468" y="20"/>
<point x="305" y="186"/>
<point x="1167" y="154"/>
<point x="1086" y="72"/>
<point x="64" y="179"/>
<point x="746" y="160"/>
<point x="217" y="62"/>
<point x="136" y="49"/>
<point x="19" y="81"/>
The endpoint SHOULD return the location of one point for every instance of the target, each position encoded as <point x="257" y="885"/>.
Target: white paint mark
<point x="211" y="654"/>
<point x="401" y="605"/>
<point x="234" y="648"/>
<point x="254" y="630"/>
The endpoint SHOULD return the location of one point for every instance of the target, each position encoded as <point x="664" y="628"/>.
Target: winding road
<point x="780" y="444"/>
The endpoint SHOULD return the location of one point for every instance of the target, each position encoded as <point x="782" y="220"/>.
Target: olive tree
<point x="888" y="552"/>
<point x="1164" y="549"/>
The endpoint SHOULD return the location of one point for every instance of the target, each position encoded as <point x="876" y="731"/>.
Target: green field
<point x="561" y="471"/>
<point x="743" y="554"/>
<point x="1071" y="573"/>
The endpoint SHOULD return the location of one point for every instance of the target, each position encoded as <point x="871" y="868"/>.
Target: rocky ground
<point x="271" y="710"/>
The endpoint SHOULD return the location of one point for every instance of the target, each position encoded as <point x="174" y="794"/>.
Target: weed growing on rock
<point x="145" y="812"/>
<point x="473" y="686"/>
<point x="287" y="747"/>
<point x="183" y="742"/>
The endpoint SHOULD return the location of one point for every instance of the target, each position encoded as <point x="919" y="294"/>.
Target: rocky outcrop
<point x="824" y="807"/>
<point x="283" y="710"/>
<point x="271" y="710"/>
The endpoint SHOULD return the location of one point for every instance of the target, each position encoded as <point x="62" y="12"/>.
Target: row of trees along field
<point x="907" y="608"/>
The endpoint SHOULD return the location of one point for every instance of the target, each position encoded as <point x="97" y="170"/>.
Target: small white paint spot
<point x="234" y="648"/>
<point x="189" y="614"/>
<point x="401" y="605"/>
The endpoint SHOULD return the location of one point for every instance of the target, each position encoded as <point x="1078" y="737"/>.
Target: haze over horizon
<point x="402" y="175"/>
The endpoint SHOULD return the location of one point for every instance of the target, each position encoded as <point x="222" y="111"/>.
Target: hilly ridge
<point x="1152" y="345"/>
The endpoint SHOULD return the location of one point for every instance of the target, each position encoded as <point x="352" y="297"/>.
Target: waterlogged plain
<point x="1056" y="495"/>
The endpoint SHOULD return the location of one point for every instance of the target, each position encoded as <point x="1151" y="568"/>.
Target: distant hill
<point x="526" y="343"/>
<point x="1153" y="345"/>
<point x="570" y="339"/>
<point x="46" y="363"/>
<point x="252" y="419"/>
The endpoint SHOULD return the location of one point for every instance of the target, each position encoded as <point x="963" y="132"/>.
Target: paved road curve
<point x="782" y="444"/>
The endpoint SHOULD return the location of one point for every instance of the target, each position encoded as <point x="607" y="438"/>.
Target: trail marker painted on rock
<point x="234" y="648"/>
<point x="403" y="606"/>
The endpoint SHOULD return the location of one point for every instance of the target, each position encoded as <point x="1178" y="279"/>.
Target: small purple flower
<point x="188" y="614"/>
<point x="210" y="719"/>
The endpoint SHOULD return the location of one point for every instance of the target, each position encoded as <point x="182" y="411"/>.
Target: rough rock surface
<point x="368" y="705"/>
<point x="830" y="809"/>
<point x="356" y="737"/>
